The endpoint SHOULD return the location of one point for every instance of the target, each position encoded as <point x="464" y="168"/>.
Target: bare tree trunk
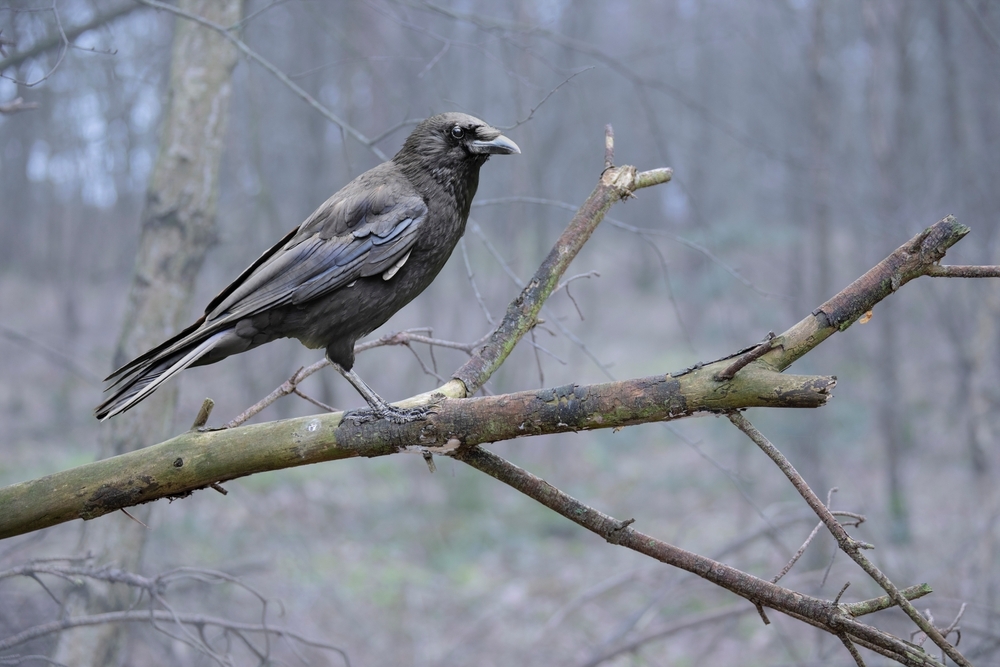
<point x="178" y="226"/>
<point x="887" y="143"/>
<point x="820" y="102"/>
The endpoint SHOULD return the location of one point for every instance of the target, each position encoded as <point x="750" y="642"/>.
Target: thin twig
<point x="609" y="147"/>
<point x="959" y="271"/>
<point x="858" y="660"/>
<point x="477" y="230"/>
<point x="798" y="554"/>
<point x="243" y="22"/>
<point x="687" y="623"/>
<point x="744" y="360"/>
<point x="319" y="404"/>
<point x="840" y="593"/>
<point x="54" y="355"/>
<point x="546" y="99"/>
<point x="884" y="602"/>
<point x="397" y="338"/>
<point x="17" y="104"/>
<point x="203" y="414"/>
<point x="538" y="359"/>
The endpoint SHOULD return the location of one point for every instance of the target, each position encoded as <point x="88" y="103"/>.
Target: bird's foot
<point x="389" y="412"/>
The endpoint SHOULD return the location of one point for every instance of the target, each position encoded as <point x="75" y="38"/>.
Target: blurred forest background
<point x="808" y="139"/>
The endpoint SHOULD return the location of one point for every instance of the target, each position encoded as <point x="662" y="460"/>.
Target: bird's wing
<point x="343" y="241"/>
<point x="364" y="229"/>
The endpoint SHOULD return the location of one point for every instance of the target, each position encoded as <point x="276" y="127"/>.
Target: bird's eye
<point x="457" y="132"/>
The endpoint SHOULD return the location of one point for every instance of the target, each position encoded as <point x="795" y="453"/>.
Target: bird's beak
<point x="499" y="145"/>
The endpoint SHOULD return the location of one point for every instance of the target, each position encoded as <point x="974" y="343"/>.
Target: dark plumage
<point x="360" y="257"/>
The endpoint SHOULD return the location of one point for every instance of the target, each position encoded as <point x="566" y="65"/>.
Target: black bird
<point x="360" y="257"/>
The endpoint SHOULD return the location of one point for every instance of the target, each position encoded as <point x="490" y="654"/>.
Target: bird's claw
<point x="390" y="412"/>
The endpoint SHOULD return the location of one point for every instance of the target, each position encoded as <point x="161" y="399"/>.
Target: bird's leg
<point x="379" y="408"/>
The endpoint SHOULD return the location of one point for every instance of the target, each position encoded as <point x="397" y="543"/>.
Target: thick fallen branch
<point x="196" y="460"/>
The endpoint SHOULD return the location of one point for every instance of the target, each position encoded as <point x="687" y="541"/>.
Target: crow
<point x="360" y="257"/>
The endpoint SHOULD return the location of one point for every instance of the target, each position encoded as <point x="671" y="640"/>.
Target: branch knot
<point x="616" y="532"/>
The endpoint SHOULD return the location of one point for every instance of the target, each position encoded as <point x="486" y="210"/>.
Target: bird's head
<point x="443" y="155"/>
<point x="448" y="140"/>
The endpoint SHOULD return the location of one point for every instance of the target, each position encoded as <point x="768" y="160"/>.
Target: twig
<point x="424" y="367"/>
<point x="705" y="113"/>
<point x="203" y="414"/>
<point x="614" y="185"/>
<point x="954" y="624"/>
<point x="884" y="602"/>
<point x="472" y="281"/>
<point x="239" y="25"/>
<point x="17" y="104"/>
<point x="609" y="147"/>
<point x="129" y="515"/>
<point x="858" y="660"/>
<point x="959" y="271"/>
<point x="538" y="358"/>
<point x="434" y="61"/>
<point x="477" y="230"/>
<point x="840" y="593"/>
<point x="319" y="404"/>
<point x="284" y="389"/>
<point x="565" y="283"/>
<point x="982" y="25"/>
<point x="401" y="124"/>
<point x="746" y="359"/>
<point x="54" y="355"/>
<point x="545" y="99"/>
<point x="763" y="615"/>
<point x="156" y="615"/>
<point x="289" y="386"/>
<point x="63" y="48"/>
<point x="798" y="554"/>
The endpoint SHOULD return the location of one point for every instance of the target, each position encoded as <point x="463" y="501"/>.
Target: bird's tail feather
<point x="145" y="379"/>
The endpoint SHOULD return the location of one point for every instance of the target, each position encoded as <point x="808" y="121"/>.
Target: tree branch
<point x="823" y="614"/>
<point x="917" y="257"/>
<point x="194" y="460"/>
<point x="847" y="544"/>
<point x="615" y="184"/>
<point x="67" y="35"/>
